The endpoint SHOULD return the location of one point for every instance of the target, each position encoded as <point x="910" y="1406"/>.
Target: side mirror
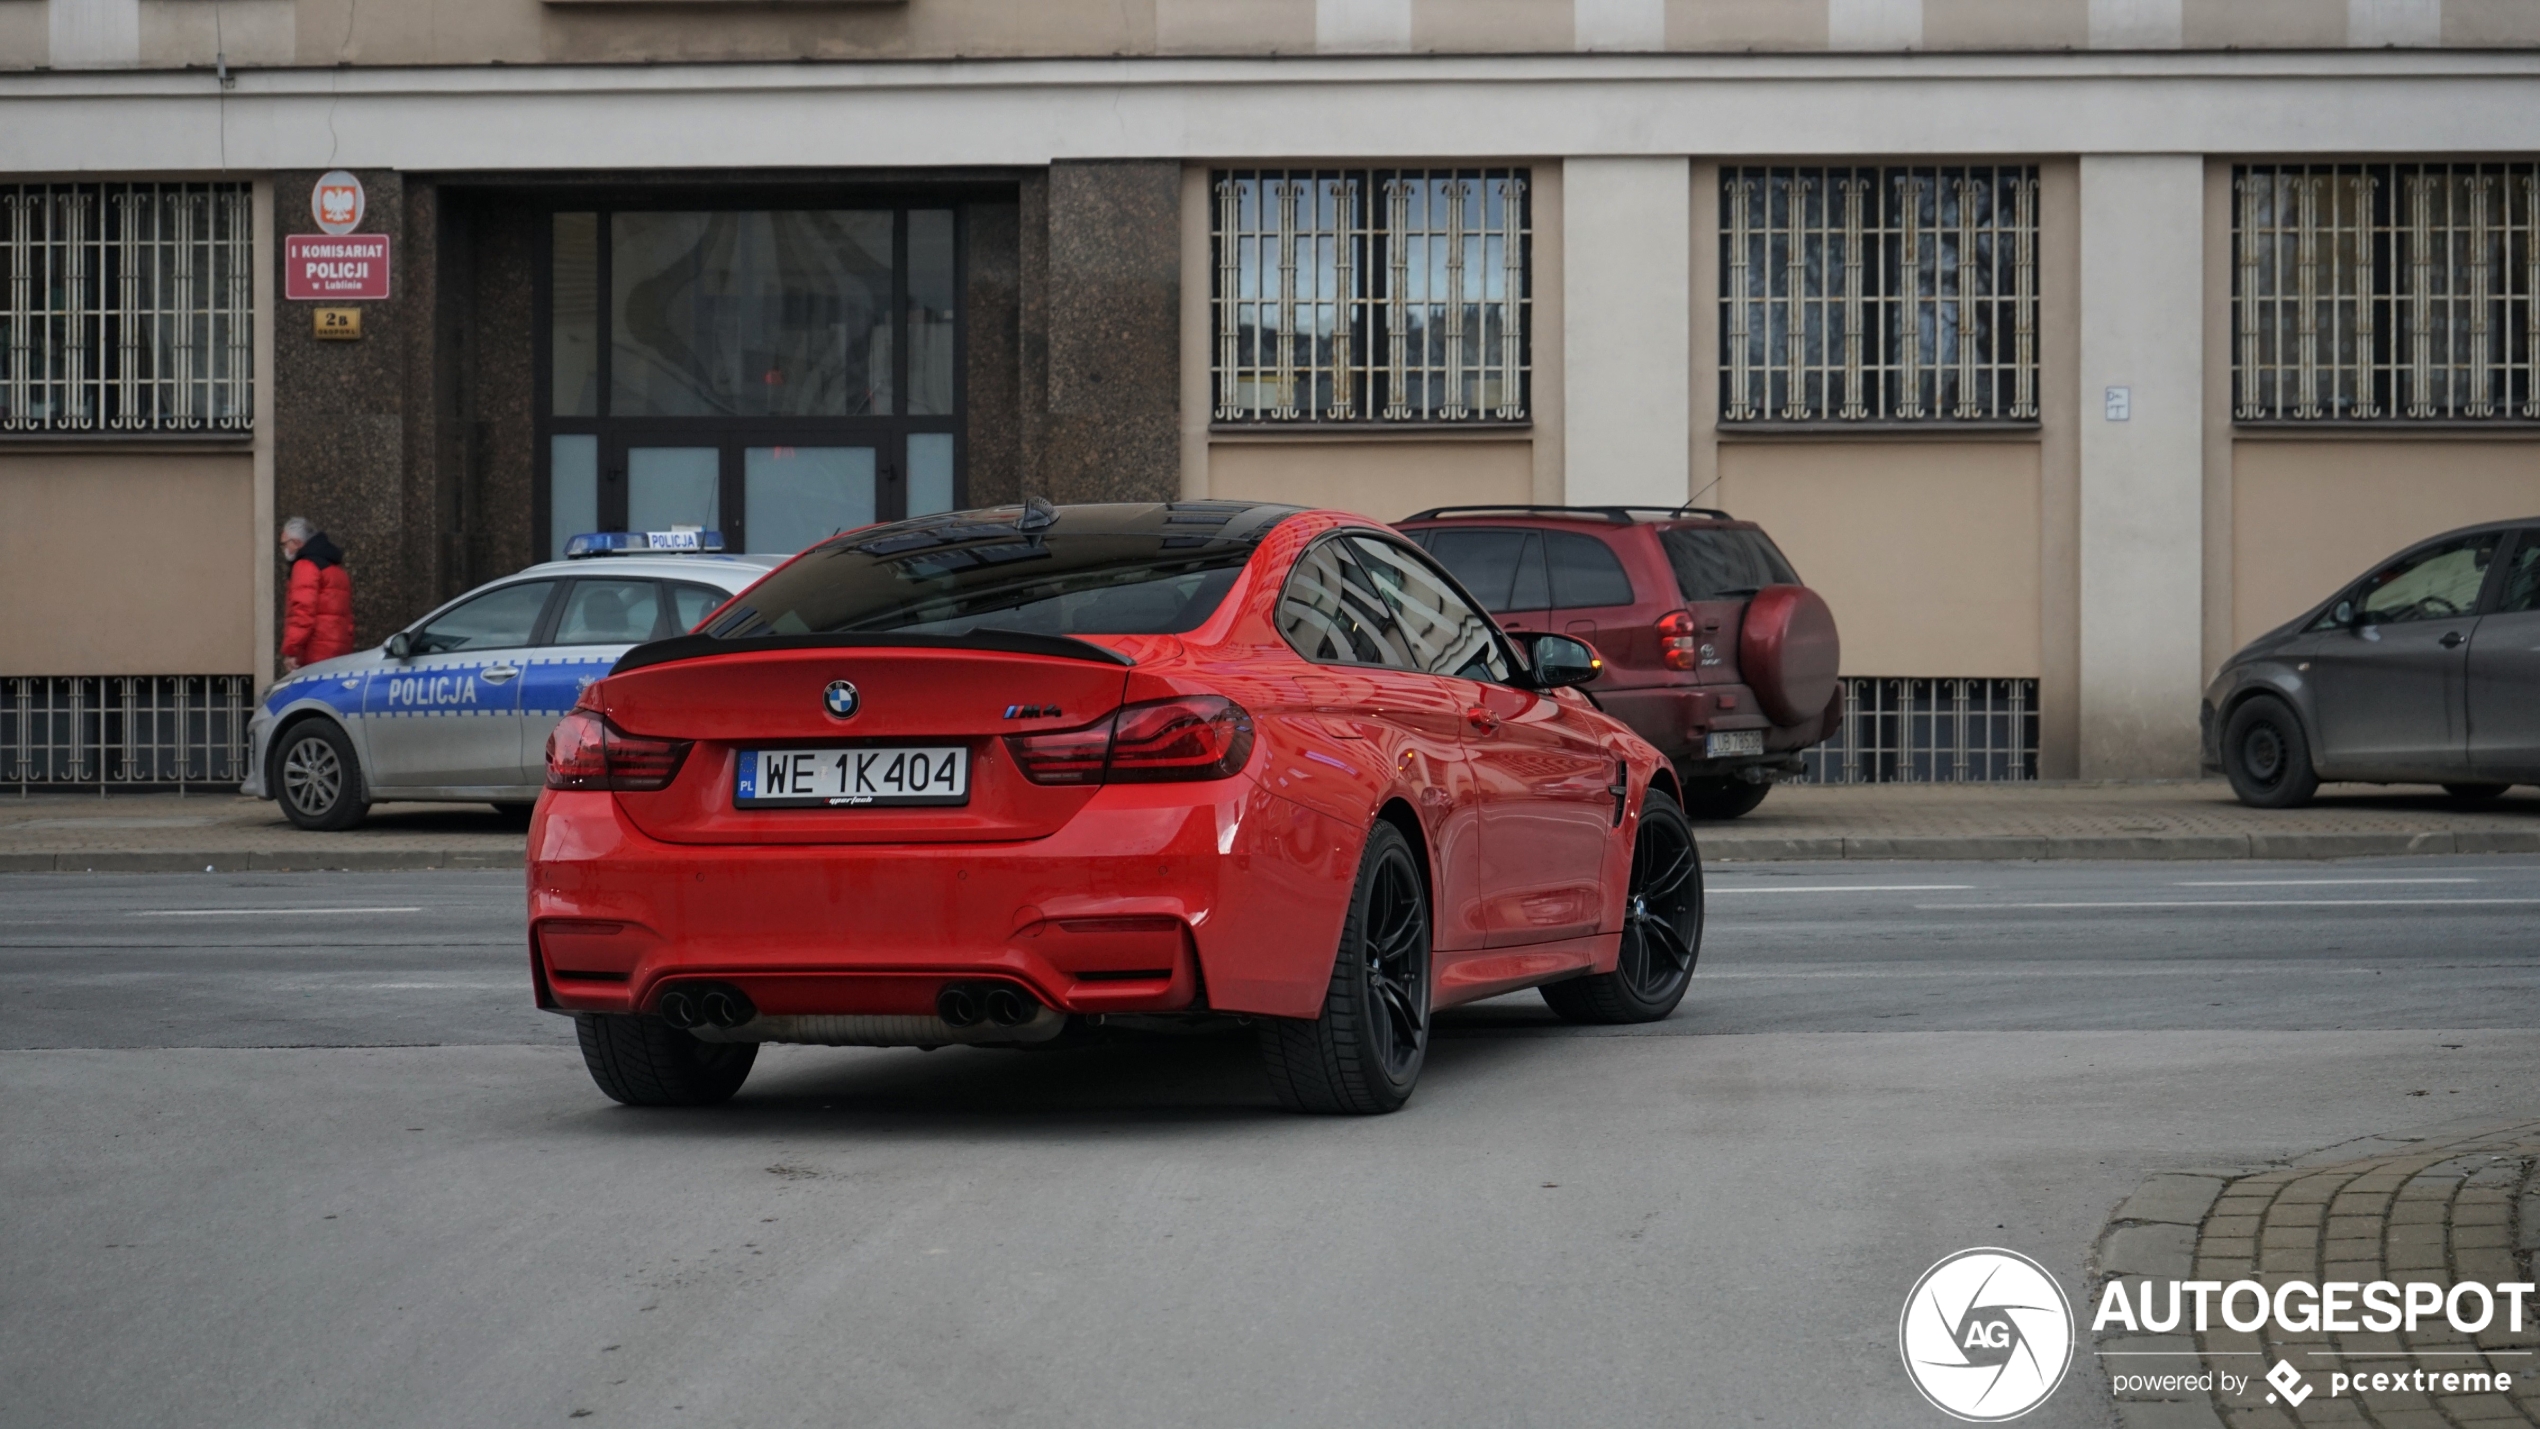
<point x="400" y="645"/>
<point x="1561" y="662"/>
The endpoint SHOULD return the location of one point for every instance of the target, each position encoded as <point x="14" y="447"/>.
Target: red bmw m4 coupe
<point x="997" y="777"/>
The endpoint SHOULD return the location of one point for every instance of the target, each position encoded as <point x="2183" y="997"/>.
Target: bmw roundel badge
<point x="840" y="699"/>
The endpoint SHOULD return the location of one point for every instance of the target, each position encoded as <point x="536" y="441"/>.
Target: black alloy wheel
<point x="317" y="779"/>
<point x="1363" y="1055"/>
<point x="644" y="1061"/>
<point x="1662" y="928"/>
<point x="2267" y="757"/>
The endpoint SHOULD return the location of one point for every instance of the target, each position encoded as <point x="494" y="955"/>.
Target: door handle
<point x="1482" y="720"/>
<point x="2452" y="638"/>
<point x="500" y="673"/>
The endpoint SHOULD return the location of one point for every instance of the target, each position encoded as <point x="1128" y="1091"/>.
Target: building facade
<point x="2064" y="344"/>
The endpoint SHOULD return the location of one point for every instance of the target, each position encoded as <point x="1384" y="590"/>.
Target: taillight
<point x="1165" y="741"/>
<point x="587" y="752"/>
<point x="1676" y="643"/>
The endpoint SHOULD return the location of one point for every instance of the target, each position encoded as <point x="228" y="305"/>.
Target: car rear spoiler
<point x="1003" y="642"/>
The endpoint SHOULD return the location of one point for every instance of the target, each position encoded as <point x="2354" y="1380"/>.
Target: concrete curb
<point x="1737" y="848"/>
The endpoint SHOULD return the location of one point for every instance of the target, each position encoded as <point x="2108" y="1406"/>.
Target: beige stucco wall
<point x="1386" y="479"/>
<point x="1927" y="551"/>
<point x="127" y="564"/>
<point x="2307" y="516"/>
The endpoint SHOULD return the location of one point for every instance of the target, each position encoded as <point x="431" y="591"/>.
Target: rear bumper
<point x="1153" y="898"/>
<point x="1677" y="718"/>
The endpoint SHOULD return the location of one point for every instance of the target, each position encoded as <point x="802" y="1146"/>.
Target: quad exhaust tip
<point x="963" y="1004"/>
<point x="711" y="1004"/>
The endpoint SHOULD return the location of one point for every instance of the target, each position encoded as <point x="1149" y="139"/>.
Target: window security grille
<point x="2385" y="292"/>
<point x="1906" y="731"/>
<point x="124" y="729"/>
<point x="1878" y="294"/>
<point x="126" y="308"/>
<point x="1372" y="295"/>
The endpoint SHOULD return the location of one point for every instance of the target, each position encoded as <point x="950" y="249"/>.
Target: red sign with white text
<point x="350" y="266"/>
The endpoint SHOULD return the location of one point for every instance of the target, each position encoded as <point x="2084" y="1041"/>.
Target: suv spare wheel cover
<point x="1788" y="652"/>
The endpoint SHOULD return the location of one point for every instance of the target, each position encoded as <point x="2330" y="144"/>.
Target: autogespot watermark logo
<point x="1987" y="1335"/>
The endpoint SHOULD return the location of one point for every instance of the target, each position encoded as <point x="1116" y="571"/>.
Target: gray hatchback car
<point x="2424" y="671"/>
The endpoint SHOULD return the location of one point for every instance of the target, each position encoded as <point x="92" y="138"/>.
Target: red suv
<point x="1713" y="649"/>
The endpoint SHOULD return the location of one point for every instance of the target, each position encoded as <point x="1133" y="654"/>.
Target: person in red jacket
<point x="318" y="617"/>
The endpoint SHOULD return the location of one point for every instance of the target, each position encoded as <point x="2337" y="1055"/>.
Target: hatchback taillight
<point x="1676" y="643"/>
<point x="587" y="752"/>
<point x="1164" y="741"/>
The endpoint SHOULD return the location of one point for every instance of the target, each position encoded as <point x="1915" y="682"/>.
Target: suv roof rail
<point x="1619" y="515"/>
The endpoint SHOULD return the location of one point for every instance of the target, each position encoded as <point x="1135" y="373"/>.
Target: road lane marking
<point x="1854" y="888"/>
<point x="2258" y="903"/>
<point x="2308" y="882"/>
<point x="258" y="912"/>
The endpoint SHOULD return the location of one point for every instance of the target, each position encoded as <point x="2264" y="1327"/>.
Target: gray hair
<point x="298" y="529"/>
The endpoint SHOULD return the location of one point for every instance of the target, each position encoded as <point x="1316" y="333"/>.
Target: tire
<point x="1662" y="929"/>
<point x="644" y="1061"/>
<point x="2267" y="757"/>
<point x="515" y="816"/>
<point x="1722" y="798"/>
<point x="317" y="780"/>
<point x="2476" y="793"/>
<point x="1363" y="1055"/>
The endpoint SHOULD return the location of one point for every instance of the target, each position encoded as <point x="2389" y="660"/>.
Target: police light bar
<point x="620" y="543"/>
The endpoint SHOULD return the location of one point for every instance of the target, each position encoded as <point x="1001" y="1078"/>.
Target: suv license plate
<point x="863" y="778"/>
<point x="1732" y="742"/>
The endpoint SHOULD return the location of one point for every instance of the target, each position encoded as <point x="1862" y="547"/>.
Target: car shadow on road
<point x="1146" y="1083"/>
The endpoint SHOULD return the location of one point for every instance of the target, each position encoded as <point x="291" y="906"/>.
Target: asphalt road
<point x="292" y="1149"/>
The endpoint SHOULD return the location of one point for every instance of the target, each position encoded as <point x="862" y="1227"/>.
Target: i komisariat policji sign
<point x="350" y="267"/>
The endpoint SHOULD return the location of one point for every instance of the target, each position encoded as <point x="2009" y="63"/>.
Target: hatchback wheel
<point x="1722" y="798"/>
<point x="2267" y="757"/>
<point x="644" y="1061"/>
<point x="1662" y="928"/>
<point x="1363" y="1055"/>
<point x="320" y="782"/>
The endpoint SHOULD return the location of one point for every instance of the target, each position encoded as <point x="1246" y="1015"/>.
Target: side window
<point x="2433" y="584"/>
<point x="2522" y="576"/>
<point x="608" y="612"/>
<point x="497" y="620"/>
<point x="692" y="603"/>
<point x="1445" y="636"/>
<point x="1330" y="612"/>
<point x="1584" y="571"/>
<point x="1502" y="568"/>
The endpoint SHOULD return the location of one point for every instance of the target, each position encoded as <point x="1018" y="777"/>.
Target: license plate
<point x="1732" y="742"/>
<point x="862" y="778"/>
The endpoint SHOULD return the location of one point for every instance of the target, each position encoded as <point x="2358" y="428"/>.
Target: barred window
<point x="1878" y="294"/>
<point x="1372" y="295"/>
<point x="126" y="308"/>
<point x="2385" y="292"/>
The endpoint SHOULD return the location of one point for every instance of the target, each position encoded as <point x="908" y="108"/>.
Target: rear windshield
<point x="1094" y="570"/>
<point x="1511" y="568"/>
<point x="1715" y="563"/>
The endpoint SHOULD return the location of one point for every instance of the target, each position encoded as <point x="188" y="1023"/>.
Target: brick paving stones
<point x="2455" y="1205"/>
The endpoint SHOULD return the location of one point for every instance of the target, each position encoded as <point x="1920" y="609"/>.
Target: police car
<point x="457" y="706"/>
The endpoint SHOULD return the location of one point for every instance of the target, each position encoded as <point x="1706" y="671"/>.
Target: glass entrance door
<point x="776" y="374"/>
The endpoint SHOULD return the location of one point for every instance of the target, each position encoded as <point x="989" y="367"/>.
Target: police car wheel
<point x="644" y="1061"/>
<point x="318" y="780"/>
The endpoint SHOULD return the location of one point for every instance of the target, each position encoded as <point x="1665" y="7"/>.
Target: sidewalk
<point x="162" y="833"/>
<point x="2451" y="1204"/>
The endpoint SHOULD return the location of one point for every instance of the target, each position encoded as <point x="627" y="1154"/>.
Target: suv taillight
<point x="587" y="752"/>
<point x="1676" y="643"/>
<point x="1164" y="741"/>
